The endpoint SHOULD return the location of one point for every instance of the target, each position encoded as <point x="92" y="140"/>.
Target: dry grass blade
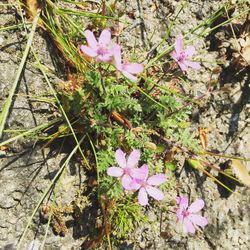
<point x="241" y="172"/>
<point x="31" y="7"/>
<point x="197" y="164"/>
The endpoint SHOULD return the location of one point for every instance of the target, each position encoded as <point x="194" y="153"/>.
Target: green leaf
<point x="160" y="148"/>
<point x="171" y="166"/>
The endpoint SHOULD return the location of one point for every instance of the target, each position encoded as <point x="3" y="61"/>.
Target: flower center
<point x="182" y="57"/>
<point x="185" y="213"/>
<point x="101" y="50"/>
<point x="127" y="171"/>
<point x="143" y="183"/>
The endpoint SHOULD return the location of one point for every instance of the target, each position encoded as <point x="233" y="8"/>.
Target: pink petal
<point x="105" y="37"/>
<point x="114" y="171"/>
<point x="88" y="51"/>
<point x="105" y="58"/>
<point x="133" y="158"/>
<point x="129" y="76"/>
<point x="144" y="171"/>
<point x="179" y="214"/>
<point x="183" y="66"/>
<point x="135" y="185"/>
<point x="126" y="182"/>
<point x="190" y="50"/>
<point x="117" y="56"/>
<point x="198" y="220"/>
<point x="120" y="158"/>
<point x="178" y="45"/>
<point x="155" y="193"/>
<point x="90" y="39"/>
<point x="143" y="197"/>
<point x="188" y="226"/>
<point x="139" y="173"/>
<point x="134" y="68"/>
<point x="182" y="201"/>
<point x="196" y="206"/>
<point x="157" y="179"/>
<point x="174" y="56"/>
<point x="193" y="65"/>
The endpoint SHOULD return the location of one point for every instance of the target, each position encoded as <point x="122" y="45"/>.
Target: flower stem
<point x="102" y="81"/>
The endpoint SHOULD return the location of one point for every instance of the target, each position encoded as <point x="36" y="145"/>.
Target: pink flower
<point x="146" y="185"/>
<point x="187" y="215"/>
<point x="101" y="50"/>
<point x="181" y="56"/>
<point x="127" y="169"/>
<point x="127" y="69"/>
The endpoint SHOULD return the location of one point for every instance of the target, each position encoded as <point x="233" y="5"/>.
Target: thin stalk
<point x="172" y="24"/>
<point x="12" y="27"/>
<point x="220" y="171"/>
<point x="97" y="165"/>
<point x="205" y="32"/>
<point x="98" y="192"/>
<point x="222" y="156"/>
<point x="60" y="106"/>
<point x="102" y="82"/>
<point x="31" y="131"/>
<point x="112" y="185"/>
<point x="80" y="3"/>
<point x="40" y="98"/>
<point x="186" y="98"/>
<point x="6" y="108"/>
<point x="7" y="4"/>
<point x="149" y="97"/>
<point x="106" y="226"/>
<point x="193" y="163"/>
<point x="216" y="180"/>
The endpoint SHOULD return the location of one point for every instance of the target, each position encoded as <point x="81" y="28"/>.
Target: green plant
<point x="102" y="102"/>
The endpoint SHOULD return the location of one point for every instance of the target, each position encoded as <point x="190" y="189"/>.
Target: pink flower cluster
<point x="181" y="55"/>
<point x="104" y="50"/>
<point x="188" y="216"/>
<point x="135" y="179"/>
